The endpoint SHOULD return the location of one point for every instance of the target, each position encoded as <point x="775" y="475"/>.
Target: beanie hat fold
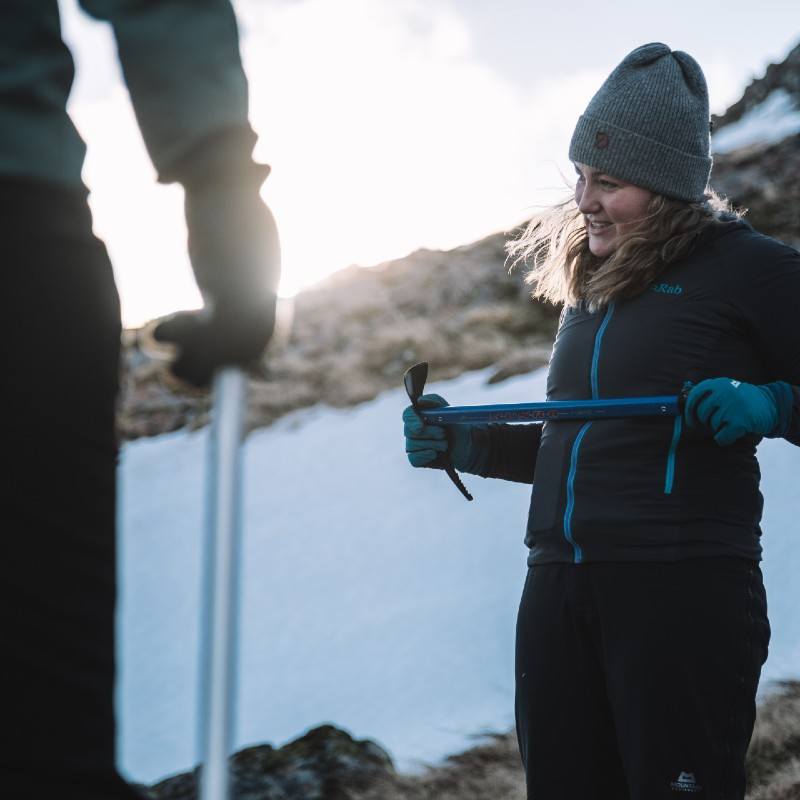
<point x="639" y="160"/>
<point x="648" y="124"/>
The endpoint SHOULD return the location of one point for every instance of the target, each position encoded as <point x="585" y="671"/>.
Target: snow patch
<point x="772" y="120"/>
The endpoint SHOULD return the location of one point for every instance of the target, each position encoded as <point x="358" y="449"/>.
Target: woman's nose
<point x="587" y="201"/>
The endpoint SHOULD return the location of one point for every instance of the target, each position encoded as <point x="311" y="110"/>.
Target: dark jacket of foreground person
<point x="60" y="352"/>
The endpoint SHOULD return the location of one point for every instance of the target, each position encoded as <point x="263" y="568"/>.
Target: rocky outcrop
<point x="763" y="176"/>
<point x="763" y="179"/>
<point x="783" y="75"/>
<point x="325" y="764"/>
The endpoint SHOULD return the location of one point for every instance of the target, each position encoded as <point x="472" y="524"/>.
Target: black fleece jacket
<point x="648" y="489"/>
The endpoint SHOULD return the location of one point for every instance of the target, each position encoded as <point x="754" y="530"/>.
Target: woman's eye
<point x="608" y="185"/>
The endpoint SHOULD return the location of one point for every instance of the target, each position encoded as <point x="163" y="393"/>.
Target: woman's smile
<point x="596" y="228"/>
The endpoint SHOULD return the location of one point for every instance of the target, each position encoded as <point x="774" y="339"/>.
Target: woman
<point x="642" y="628"/>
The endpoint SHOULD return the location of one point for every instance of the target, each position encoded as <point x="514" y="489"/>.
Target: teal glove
<point x="731" y="409"/>
<point x="425" y="443"/>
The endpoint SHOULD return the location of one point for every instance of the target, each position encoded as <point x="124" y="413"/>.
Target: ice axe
<point x="549" y="410"/>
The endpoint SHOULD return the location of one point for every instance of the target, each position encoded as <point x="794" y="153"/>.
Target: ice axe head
<point x="414" y="381"/>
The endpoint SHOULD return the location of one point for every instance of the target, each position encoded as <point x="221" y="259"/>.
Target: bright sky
<point x="394" y="124"/>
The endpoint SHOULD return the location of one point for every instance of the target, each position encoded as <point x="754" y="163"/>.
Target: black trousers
<point x="59" y="362"/>
<point x="637" y="681"/>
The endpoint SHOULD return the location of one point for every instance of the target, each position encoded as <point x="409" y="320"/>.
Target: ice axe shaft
<point x="220" y="598"/>
<point x="554" y="410"/>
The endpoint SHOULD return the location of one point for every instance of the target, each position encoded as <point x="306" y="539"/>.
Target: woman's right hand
<point x="424" y="442"/>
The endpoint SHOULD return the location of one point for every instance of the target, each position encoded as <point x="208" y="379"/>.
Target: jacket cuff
<point x="783" y="396"/>
<point x="478" y="451"/>
<point x="223" y="155"/>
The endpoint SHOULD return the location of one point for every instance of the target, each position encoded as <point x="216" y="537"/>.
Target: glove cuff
<point x="783" y="397"/>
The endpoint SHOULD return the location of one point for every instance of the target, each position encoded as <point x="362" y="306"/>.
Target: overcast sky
<point x="395" y="124"/>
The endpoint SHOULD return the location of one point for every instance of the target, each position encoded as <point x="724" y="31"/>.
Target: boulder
<point x="324" y="764"/>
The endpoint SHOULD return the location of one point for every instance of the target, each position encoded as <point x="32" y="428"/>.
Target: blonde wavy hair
<point x="563" y="269"/>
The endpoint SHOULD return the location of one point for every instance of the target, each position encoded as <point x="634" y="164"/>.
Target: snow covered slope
<point x="772" y="120"/>
<point x="375" y="597"/>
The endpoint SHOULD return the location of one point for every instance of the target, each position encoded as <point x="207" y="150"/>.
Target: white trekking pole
<point x="220" y="600"/>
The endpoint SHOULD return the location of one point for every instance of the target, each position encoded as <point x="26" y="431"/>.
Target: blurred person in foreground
<point x="643" y="623"/>
<point x="61" y="342"/>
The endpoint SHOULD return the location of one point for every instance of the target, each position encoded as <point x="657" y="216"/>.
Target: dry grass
<point x="490" y="770"/>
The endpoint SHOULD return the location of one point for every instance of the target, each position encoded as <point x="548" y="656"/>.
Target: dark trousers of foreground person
<point x="638" y="681"/>
<point x="60" y="351"/>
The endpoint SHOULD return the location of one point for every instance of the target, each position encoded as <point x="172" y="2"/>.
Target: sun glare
<point x="389" y="136"/>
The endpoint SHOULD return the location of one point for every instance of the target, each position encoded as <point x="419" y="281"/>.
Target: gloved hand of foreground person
<point x="235" y="255"/>
<point x="731" y="409"/>
<point x="425" y="442"/>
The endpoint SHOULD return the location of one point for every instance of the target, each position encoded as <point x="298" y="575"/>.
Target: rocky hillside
<point x="354" y="335"/>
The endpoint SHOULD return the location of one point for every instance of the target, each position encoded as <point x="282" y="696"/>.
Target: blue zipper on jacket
<point x="676" y="435"/>
<point x="573" y="467"/>
<point x="573" y="463"/>
<point x="598" y="340"/>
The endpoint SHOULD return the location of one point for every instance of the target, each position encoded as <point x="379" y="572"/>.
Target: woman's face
<point x="610" y="207"/>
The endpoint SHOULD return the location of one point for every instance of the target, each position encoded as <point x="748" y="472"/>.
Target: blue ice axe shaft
<point x="219" y="633"/>
<point x="554" y="410"/>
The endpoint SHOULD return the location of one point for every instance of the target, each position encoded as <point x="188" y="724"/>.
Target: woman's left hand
<point x="731" y="409"/>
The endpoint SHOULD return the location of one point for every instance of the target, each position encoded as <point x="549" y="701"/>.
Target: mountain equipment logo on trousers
<point x="686" y="783"/>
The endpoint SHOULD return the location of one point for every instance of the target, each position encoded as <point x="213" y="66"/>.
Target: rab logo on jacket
<point x="666" y="288"/>
<point x="686" y="783"/>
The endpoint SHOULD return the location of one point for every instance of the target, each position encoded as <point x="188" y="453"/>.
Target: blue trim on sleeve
<point x="573" y="468"/>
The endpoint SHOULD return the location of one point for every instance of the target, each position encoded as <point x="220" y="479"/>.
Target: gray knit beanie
<point x="649" y="124"/>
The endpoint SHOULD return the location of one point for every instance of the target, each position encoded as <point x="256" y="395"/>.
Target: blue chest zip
<point x="676" y="435"/>
<point x="598" y="340"/>
<point x="573" y="463"/>
<point x="573" y="467"/>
